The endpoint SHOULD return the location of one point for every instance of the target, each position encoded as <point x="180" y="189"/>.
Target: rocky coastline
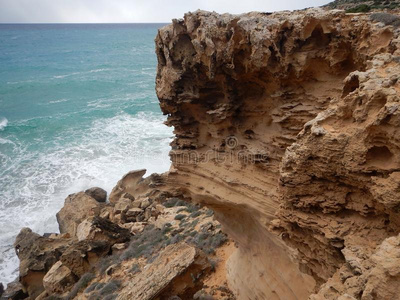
<point x="284" y="181"/>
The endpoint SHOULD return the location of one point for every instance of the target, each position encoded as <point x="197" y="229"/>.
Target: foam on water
<point x="99" y="157"/>
<point x="3" y="123"/>
<point x="77" y="109"/>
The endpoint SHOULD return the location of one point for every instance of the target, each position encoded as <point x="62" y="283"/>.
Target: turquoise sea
<point x="77" y="109"/>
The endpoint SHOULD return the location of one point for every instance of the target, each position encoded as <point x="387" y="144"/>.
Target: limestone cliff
<point x="286" y="126"/>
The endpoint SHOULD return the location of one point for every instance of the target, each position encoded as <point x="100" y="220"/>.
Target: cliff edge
<point x="286" y="126"/>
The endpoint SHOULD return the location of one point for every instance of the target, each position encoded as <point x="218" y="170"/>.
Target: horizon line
<point x="82" y="23"/>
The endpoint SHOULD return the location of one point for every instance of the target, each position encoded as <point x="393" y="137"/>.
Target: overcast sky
<point x="121" y="11"/>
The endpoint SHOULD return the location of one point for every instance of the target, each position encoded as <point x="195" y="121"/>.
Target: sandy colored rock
<point x="171" y="273"/>
<point x="77" y="207"/>
<point x="37" y="255"/>
<point x="122" y="205"/>
<point x="127" y="184"/>
<point x="58" y="279"/>
<point x="134" y="227"/>
<point x="291" y="115"/>
<point x="99" y="229"/>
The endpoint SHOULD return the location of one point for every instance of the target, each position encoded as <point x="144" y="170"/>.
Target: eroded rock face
<point x="295" y="115"/>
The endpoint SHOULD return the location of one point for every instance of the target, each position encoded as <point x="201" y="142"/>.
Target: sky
<point x="132" y="11"/>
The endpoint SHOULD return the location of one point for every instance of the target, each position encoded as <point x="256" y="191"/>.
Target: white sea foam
<point x="3" y="123"/>
<point x="36" y="183"/>
<point x="58" y="101"/>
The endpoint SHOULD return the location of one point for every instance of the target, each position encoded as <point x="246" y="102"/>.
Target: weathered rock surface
<point x="170" y="274"/>
<point x="77" y="207"/>
<point x="128" y="184"/>
<point x="295" y="115"/>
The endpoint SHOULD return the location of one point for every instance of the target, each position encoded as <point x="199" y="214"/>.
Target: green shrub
<point x="146" y="243"/>
<point x="195" y="214"/>
<point x="208" y="241"/>
<point x="91" y="288"/>
<point x="363" y="8"/>
<point x="194" y="223"/>
<point x="110" y="287"/>
<point x="209" y="213"/>
<point x="180" y="217"/>
<point x="99" y="286"/>
<point x="135" y="269"/>
<point x="107" y="261"/>
<point x="171" y="202"/>
<point x="82" y="283"/>
<point x="387" y="19"/>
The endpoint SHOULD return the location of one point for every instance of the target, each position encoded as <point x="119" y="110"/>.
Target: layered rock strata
<point x="286" y="126"/>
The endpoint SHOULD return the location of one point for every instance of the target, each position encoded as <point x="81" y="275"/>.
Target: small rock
<point x="160" y="208"/>
<point x="137" y="203"/>
<point x="97" y="193"/>
<point x="116" y="248"/>
<point x="128" y="196"/>
<point x="122" y="205"/>
<point x="145" y="203"/>
<point x="135" y="227"/>
<point x="133" y="212"/>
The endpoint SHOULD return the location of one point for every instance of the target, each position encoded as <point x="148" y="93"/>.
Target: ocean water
<point x="77" y="109"/>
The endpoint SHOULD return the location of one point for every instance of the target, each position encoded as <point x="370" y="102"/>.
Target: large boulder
<point x="77" y="207"/>
<point x="59" y="279"/>
<point x="37" y="254"/>
<point x="170" y="274"/>
<point x="97" y="193"/>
